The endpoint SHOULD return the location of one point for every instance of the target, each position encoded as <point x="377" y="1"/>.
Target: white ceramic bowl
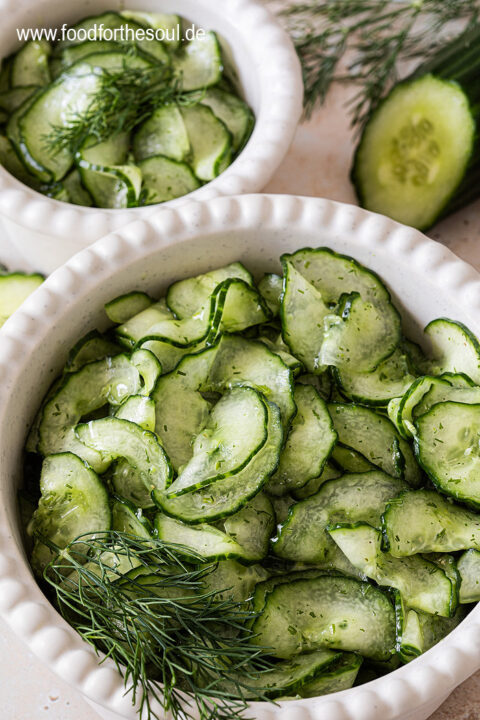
<point x="427" y="281"/>
<point x="47" y="232"/>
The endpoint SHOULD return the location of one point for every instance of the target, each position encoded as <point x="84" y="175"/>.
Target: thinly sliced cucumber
<point x="109" y="380"/>
<point x="186" y="297"/>
<point x="121" y="309"/>
<point x="164" y="133"/>
<point x="74" y="53"/>
<point x="114" y="438"/>
<point x="400" y="410"/>
<point x="443" y="393"/>
<point x="414" y="150"/>
<point x="454" y="348"/>
<point x="73" y="502"/>
<point x="126" y="518"/>
<point x="232" y="580"/>
<point x="170" y="24"/>
<point x="340" y="676"/>
<point x="210" y="141"/>
<point x="281" y="505"/>
<point x="138" y="409"/>
<point x="149" y="368"/>
<point x="199" y="64"/>
<point x="252" y="525"/>
<point x="351" y="498"/>
<point x="225" y="497"/>
<point x="278" y="347"/>
<point x="270" y="288"/>
<point x="14" y="289"/>
<point x="329" y="612"/>
<point x="138" y="326"/>
<point x="236" y="430"/>
<point x="375" y="437"/>
<point x="245" y="362"/>
<point x="389" y="380"/>
<point x="10" y="100"/>
<point x="302" y="312"/>
<point x="30" y="64"/>
<point x="10" y="160"/>
<point x="424" y="522"/>
<point x="112" y="151"/>
<point x="93" y="346"/>
<point x="359" y="336"/>
<point x="112" y="187"/>
<point x="233" y="112"/>
<point x="423" y="585"/>
<point x="349" y="460"/>
<point x="313" y="486"/>
<point x="164" y="179"/>
<point x="77" y="194"/>
<point x="469" y="570"/>
<point x="309" y="443"/>
<point x="446" y="446"/>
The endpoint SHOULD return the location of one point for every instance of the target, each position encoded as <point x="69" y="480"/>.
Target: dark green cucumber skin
<point x="458" y="61"/>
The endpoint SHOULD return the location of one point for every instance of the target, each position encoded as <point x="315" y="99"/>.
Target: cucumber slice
<point x="423" y="585"/>
<point x="164" y="179"/>
<point x="114" y="438"/>
<point x="138" y="326"/>
<point x="245" y="362"/>
<point x="93" y="346"/>
<point x="400" y="410"/>
<point x="279" y="348"/>
<point x="441" y="393"/>
<point x="73" y="502"/>
<point x="414" y="151"/>
<point x="210" y="141"/>
<point x="391" y="379"/>
<point x="313" y="486"/>
<point x="128" y="519"/>
<point x="225" y="497"/>
<point x="77" y="194"/>
<point x="302" y="313"/>
<point x="454" y="348"/>
<point x="375" y="437"/>
<point x="140" y="410"/>
<point x="469" y="570"/>
<point x="360" y="336"/>
<point x="30" y="64"/>
<point x="148" y="367"/>
<point x="446" y="446"/>
<point x="270" y="288"/>
<point x="10" y="160"/>
<point x="309" y="443"/>
<point x="252" y="525"/>
<point x="231" y="580"/>
<point x="281" y="506"/>
<point x="186" y="297"/>
<point x="109" y="380"/>
<point x="233" y="112"/>
<point x="170" y="24"/>
<point x="349" y="460"/>
<point x="199" y="64"/>
<point x="356" y="497"/>
<point x="424" y="522"/>
<point x="121" y="309"/>
<point x="236" y="430"/>
<point x="332" y="612"/>
<point x="164" y="133"/>
<point x="74" y="53"/>
<point x="10" y="100"/>
<point x="14" y="289"/>
<point x="341" y="676"/>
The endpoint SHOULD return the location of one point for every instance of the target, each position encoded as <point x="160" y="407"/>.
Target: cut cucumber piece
<point x="186" y="297"/>
<point x="232" y="580"/>
<point x="170" y="24"/>
<point x="30" y="64"/>
<point x="447" y="447"/>
<point x="375" y="437"/>
<point x="14" y="289"/>
<point x="93" y="346"/>
<point x="138" y="326"/>
<point x="356" y="497"/>
<point x="423" y="585"/>
<point x="270" y="288"/>
<point x="73" y="502"/>
<point x="10" y="100"/>
<point x="400" y="410"/>
<point x="149" y="368"/>
<point x="225" y="497"/>
<point x="10" y="160"/>
<point x="114" y="438"/>
<point x="164" y="179"/>
<point x="313" y="486"/>
<point x="279" y="348"/>
<point x="126" y="518"/>
<point x="74" y="53"/>
<point x="252" y="525"/>
<point x="349" y="460"/>
<point x="413" y="153"/>
<point x="443" y="393"/>
<point x="245" y="362"/>
<point x="281" y="505"/>
<point x="329" y="612"/>
<point x="340" y="676"/>
<point x="210" y="141"/>
<point x="124" y="307"/>
<point x="236" y="430"/>
<point x="164" y="133"/>
<point x="424" y="522"/>
<point x="77" y="194"/>
<point x="454" y="348"/>
<point x="233" y="112"/>
<point x="469" y="570"/>
<point x="110" y="380"/>
<point x="140" y="410"/>
<point x="199" y="64"/>
<point x="309" y="443"/>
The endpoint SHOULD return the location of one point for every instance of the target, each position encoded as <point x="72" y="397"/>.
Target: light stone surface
<point x="317" y="165"/>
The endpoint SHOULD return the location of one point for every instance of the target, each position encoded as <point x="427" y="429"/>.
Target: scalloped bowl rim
<point x="22" y="604"/>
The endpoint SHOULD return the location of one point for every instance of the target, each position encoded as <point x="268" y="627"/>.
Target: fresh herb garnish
<point x="178" y="647"/>
<point x="364" y="41"/>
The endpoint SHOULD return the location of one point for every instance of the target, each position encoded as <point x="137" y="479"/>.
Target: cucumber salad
<point x="117" y="124"/>
<point x="288" y="434"/>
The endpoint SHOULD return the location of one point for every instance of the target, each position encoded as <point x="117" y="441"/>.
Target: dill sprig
<point x="178" y="647"/>
<point x="125" y="99"/>
<point x="367" y="42"/>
